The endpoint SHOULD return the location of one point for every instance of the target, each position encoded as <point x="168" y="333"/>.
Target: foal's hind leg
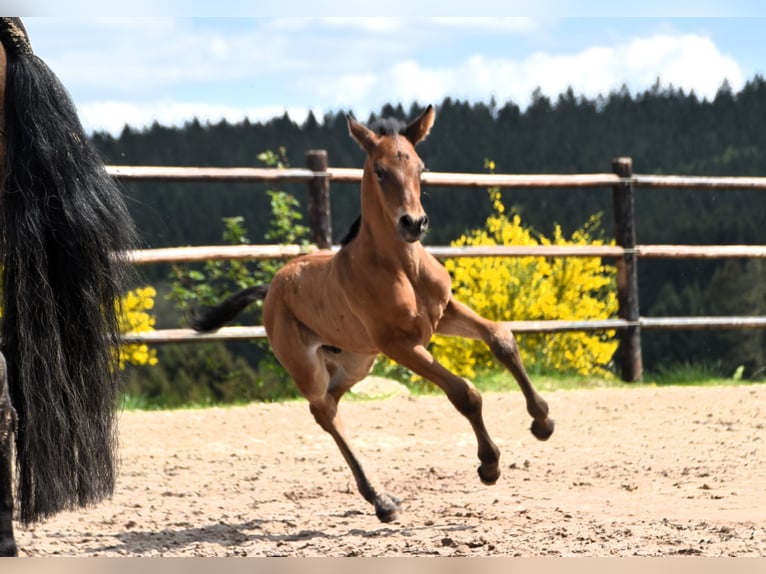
<point x="460" y="320"/>
<point x="323" y="380"/>
<point x="325" y="411"/>
<point x="7" y="430"/>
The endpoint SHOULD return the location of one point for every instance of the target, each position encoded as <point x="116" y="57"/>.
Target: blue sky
<point x="231" y="63"/>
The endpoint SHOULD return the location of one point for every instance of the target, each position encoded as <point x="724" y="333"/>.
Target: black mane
<point x="388" y="126"/>
<point x="352" y="231"/>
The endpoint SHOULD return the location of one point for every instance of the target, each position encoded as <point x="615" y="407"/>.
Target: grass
<point x="129" y="402"/>
<point x="501" y="381"/>
<point x="680" y="374"/>
<point x="697" y="374"/>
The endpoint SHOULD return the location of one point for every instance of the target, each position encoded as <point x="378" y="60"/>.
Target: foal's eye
<point x="380" y="173"/>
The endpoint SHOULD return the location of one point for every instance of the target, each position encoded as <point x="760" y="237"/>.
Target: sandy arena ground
<point x="638" y="472"/>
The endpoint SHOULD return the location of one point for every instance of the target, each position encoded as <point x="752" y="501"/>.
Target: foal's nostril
<point x="420" y="224"/>
<point x="413" y="226"/>
<point x="406" y="222"/>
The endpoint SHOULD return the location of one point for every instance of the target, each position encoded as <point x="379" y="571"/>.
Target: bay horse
<point x="63" y="228"/>
<point x="328" y="316"/>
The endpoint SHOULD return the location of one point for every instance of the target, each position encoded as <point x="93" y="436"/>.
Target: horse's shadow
<point x="231" y="536"/>
<point x="151" y="542"/>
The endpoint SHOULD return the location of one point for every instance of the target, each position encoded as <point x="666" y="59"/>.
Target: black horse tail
<point x="212" y="318"/>
<point x="64" y="234"/>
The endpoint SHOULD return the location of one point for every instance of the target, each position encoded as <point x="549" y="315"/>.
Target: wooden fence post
<point x="319" y="199"/>
<point x="629" y="351"/>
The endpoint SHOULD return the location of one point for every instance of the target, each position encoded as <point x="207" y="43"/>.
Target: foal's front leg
<point x="7" y="430"/>
<point x="461" y="393"/>
<point x="460" y="320"/>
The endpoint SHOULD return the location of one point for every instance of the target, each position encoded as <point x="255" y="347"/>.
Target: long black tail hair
<point x="63" y="226"/>
<point x="213" y="318"/>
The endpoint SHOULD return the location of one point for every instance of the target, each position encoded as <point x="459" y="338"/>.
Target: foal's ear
<point x="363" y="135"/>
<point x="417" y="130"/>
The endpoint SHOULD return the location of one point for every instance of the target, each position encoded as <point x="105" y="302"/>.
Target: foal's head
<point x="392" y="171"/>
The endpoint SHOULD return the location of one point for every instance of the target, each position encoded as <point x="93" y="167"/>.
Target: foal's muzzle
<point x="412" y="229"/>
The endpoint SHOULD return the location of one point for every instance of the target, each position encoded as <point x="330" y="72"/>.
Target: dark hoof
<point x="8" y="549"/>
<point x="387" y="508"/>
<point x="489" y="477"/>
<point x="542" y="429"/>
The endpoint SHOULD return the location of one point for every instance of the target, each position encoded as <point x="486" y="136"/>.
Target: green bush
<point x="203" y="374"/>
<point x="210" y="373"/>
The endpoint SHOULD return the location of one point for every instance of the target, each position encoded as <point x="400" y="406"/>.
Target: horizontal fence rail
<point x="468" y="180"/>
<point x="545" y="326"/>
<point x="626" y="252"/>
<point x="255" y="252"/>
<point x="209" y="174"/>
<point x="698" y="182"/>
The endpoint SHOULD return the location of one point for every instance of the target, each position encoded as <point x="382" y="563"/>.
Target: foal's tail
<point x="63" y="226"/>
<point x="213" y="318"/>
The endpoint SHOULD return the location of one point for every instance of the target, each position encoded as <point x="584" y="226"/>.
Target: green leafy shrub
<point x="224" y="378"/>
<point x="202" y="374"/>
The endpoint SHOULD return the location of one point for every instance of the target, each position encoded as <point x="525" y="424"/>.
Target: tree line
<point x="665" y="130"/>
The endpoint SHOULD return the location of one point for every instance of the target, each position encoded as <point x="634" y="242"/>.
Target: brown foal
<point x="328" y="316"/>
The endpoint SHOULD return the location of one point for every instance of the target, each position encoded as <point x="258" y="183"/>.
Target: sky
<point x="171" y="65"/>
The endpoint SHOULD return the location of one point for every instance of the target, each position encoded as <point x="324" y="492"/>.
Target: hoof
<point x="542" y="429"/>
<point x="489" y="477"/>
<point x="387" y="508"/>
<point x="8" y="549"/>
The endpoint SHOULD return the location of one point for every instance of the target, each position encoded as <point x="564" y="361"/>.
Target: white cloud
<point x="139" y="57"/>
<point x="690" y="62"/>
<point x="112" y="116"/>
<point x="171" y="70"/>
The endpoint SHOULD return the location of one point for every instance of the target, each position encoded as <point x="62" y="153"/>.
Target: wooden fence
<point x="318" y="177"/>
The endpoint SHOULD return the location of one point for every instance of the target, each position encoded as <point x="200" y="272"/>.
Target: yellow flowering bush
<point x="532" y="288"/>
<point x="134" y="316"/>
